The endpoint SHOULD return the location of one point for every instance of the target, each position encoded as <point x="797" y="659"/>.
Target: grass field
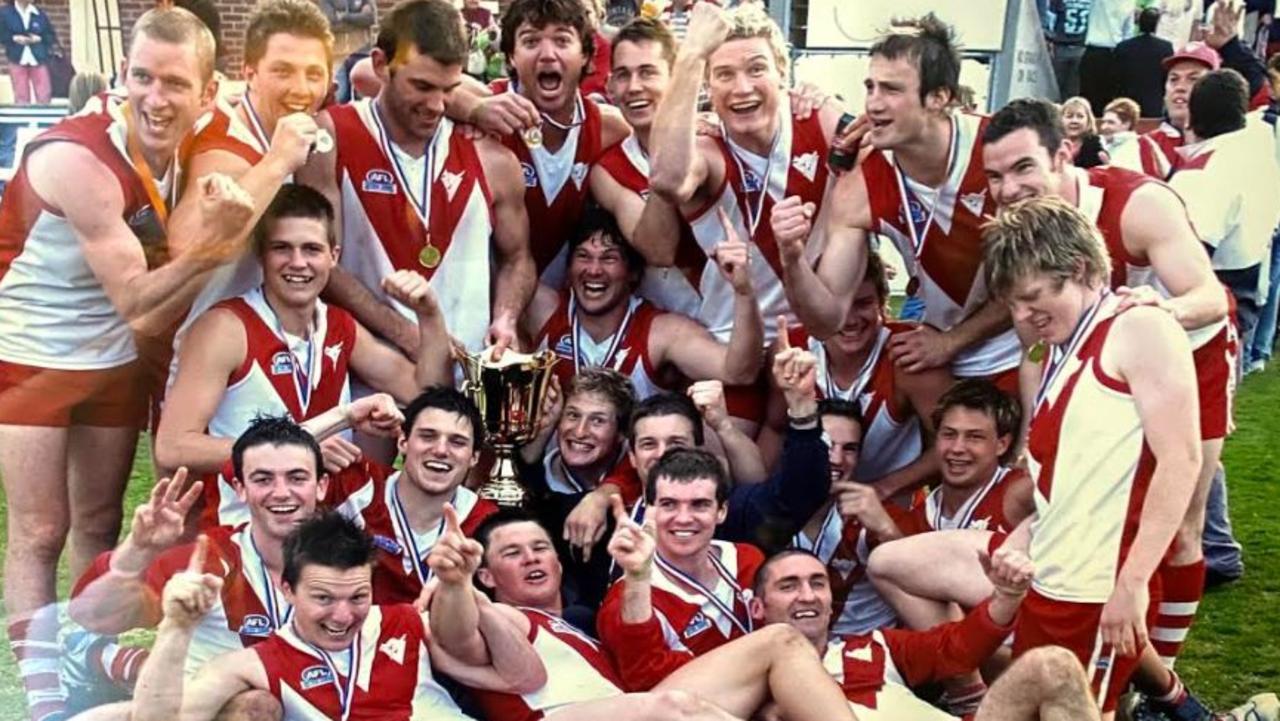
<point x="1233" y="651"/>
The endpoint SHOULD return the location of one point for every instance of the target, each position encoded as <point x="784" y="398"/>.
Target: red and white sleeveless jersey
<point x="224" y="129"/>
<point x="556" y="187"/>
<point x="752" y="186"/>
<point x="249" y="607"/>
<point x="578" y="670"/>
<point x="388" y="660"/>
<point x="626" y="351"/>
<point x="54" y="312"/>
<point x="1089" y="458"/>
<point x="938" y="232"/>
<point x="1140" y="154"/>
<point x="877" y="670"/>
<point x="674" y="288"/>
<point x="279" y="376"/>
<point x="844" y="546"/>
<point x="688" y="620"/>
<point x="1168" y="139"/>
<point x="366" y="493"/>
<point x="983" y="511"/>
<point x="1103" y="200"/>
<point x="890" y="439"/>
<point x="382" y="232"/>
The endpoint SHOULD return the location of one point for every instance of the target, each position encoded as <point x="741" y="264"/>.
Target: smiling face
<point x="968" y="447"/>
<point x="281" y="487"/>
<point x="588" y="431"/>
<point x="1075" y="120"/>
<point x="898" y="117"/>
<point x="599" y="275"/>
<point x="638" y="80"/>
<point x="746" y="89"/>
<point x="297" y="261"/>
<point x="1111" y="124"/>
<point x="796" y="592"/>
<point x="292" y="76"/>
<point x="846" y="443"/>
<point x="520" y="564"/>
<point x="166" y="92"/>
<point x="1018" y="166"/>
<point x="549" y="62"/>
<point x="1178" y="82"/>
<point x="439" y="451"/>
<point x="1048" y="307"/>
<point x="685" y="514"/>
<point x="330" y="604"/>
<point x="654" y="436"/>
<point x="862" y="324"/>
<point x="415" y="89"/>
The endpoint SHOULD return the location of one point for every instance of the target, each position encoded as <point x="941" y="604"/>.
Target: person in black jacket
<point x="29" y="38"/>
<point x="1139" y="64"/>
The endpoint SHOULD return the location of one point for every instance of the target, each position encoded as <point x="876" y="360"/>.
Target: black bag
<point x="60" y="71"/>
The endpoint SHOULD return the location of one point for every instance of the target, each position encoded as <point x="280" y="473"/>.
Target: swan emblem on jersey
<point x="379" y="181"/>
<point x="313" y="676"/>
<point x="861" y="653"/>
<point x="394" y="648"/>
<point x="696" y="625"/>
<point x="579" y="174"/>
<point x="450" y="181"/>
<point x="806" y="165"/>
<point x="282" y="364"/>
<point x="842" y="566"/>
<point x="530" y="175"/>
<point x="980" y="524"/>
<point x="333" y="353"/>
<point x="973" y="202"/>
<point x="621" y="358"/>
<point x="255" y="624"/>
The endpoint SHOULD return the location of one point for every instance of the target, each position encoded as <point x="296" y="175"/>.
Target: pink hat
<point x="1197" y="52"/>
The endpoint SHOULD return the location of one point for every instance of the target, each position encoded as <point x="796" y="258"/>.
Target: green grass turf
<point x="1232" y="652"/>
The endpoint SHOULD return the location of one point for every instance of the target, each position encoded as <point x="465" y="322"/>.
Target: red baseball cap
<point x="1196" y="52"/>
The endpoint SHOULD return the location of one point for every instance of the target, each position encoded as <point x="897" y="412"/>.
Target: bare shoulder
<point x="496" y="157"/>
<point x="49" y="165"/>
<point x="613" y="127"/>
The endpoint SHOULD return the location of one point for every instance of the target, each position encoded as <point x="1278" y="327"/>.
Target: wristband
<point x="802" y="420"/>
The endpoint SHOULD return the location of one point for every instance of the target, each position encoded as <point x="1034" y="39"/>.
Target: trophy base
<point x="502" y="486"/>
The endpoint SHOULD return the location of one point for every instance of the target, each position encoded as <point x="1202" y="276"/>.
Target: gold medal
<point x="429" y="257"/>
<point x="532" y="136"/>
<point x="1037" y="352"/>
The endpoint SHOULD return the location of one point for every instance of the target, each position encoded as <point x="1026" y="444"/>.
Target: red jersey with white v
<point x="556" y="188"/>
<point x="983" y="511"/>
<point x="630" y="357"/>
<point x="1088" y="455"/>
<point x="578" y="670"/>
<point x="274" y="380"/>
<point x="366" y="493"/>
<point x="383" y="232"/>
<point x="844" y="546"/>
<point x="249" y="607"/>
<point x="391" y="648"/>
<point x="796" y="165"/>
<point x="675" y="288"/>
<point x="685" y="624"/>
<point x="941" y="241"/>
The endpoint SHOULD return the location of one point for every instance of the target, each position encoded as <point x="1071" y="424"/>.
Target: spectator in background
<point x="83" y="87"/>
<point x="1139" y="65"/>
<point x="351" y="22"/>
<point x="1259" y="352"/>
<point x="207" y="11"/>
<point x="676" y="16"/>
<point x="476" y="14"/>
<point x="1125" y="148"/>
<point x="28" y="39"/>
<point x="595" y="76"/>
<point x="1110" y="22"/>
<point x="1082" y="131"/>
<point x="1177" y="18"/>
<point x="1065" y="24"/>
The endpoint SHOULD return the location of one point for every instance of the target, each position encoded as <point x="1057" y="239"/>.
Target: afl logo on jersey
<point x="255" y="624"/>
<point x="379" y="181"/>
<point x="282" y="364"/>
<point x="388" y="544"/>
<point x="313" y="676"/>
<point x="750" y="181"/>
<point x="530" y="175"/>
<point x="564" y="346"/>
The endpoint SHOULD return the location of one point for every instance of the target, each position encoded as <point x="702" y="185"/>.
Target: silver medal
<point x="324" y="141"/>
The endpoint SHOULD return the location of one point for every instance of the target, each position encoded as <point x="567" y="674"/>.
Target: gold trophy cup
<point x="509" y="393"/>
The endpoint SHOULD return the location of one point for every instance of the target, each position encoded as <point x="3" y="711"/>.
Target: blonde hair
<point x="1042" y="236"/>
<point x="750" y="20"/>
<point x="295" y="17"/>
<point x="178" y="27"/>
<point x="1083" y="104"/>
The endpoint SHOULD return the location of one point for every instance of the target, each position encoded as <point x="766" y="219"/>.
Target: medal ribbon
<point x="710" y="595"/>
<point x="273" y="605"/>
<point x="1059" y="355"/>
<point x="301" y="378"/>
<point x="965" y="514"/>
<point x="255" y="124"/>
<point x="919" y="236"/>
<point x="579" y="361"/>
<point x="799" y="541"/>
<point x="864" y="375"/>
<point x="143" y="169"/>
<point x="421" y="202"/>
<point x="347" y="691"/>
<point x="753" y="215"/>
<point x="400" y="523"/>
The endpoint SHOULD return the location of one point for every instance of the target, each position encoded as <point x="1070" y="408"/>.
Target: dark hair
<point x="1041" y="116"/>
<point x="433" y="27"/>
<point x="929" y="44"/>
<point x="644" y="29"/>
<point x="502" y="517"/>
<point x="762" y="573"/>
<point x="1218" y="104"/>
<point x="327" y="539"/>
<point x="596" y="219"/>
<point x="668" y="404"/>
<point x="978" y="394"/>
<point x="449" y="399"/>
<point x="273" y="431"/>
<point x="875" y="273"/>
<point x="295" y="17"/>
<point x="843" y="409"/>
<point x="294" y="201"/>
<point x="1148" y="19"/>
<point x="684" y="465"/>
<point x="612" y="385"/>
<point x="541" y="13"/>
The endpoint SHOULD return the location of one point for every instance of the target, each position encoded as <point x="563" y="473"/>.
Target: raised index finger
<point x="451" y="523"/>
<point x="619" y="510"/>
<point x="199" y="554"/>
<point x="784" y="338"/>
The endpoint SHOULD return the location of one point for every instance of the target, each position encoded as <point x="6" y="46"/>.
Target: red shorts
<point x="1043" y="621"/>
<point x="1216" y="377"/>
<point x="1007" y="381"/>
<point x="111" y="397"/>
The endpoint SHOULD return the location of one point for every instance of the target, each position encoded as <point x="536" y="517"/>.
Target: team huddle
<point x="751" y="492"/>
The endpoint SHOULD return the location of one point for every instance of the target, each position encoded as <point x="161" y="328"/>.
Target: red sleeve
<point x="946" y="650"/>
<point x="639" y="650"/>
<point x="351" y="479"/>
<point x="625" y="477"/>
<point x="910" y="522"/>
<point x="96" y="570"/>
<point x="482" y="510"/>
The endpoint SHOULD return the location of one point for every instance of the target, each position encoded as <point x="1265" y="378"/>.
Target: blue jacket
<point x="11" y="25"/>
